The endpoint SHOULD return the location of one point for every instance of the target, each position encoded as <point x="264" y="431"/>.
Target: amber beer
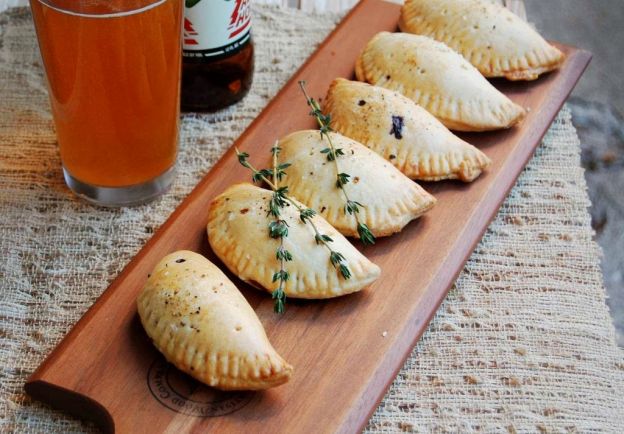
<point x="218" y="54"/>
<point x="113" y="71"/>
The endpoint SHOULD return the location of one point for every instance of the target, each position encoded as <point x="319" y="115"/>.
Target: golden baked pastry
<point x="405" y="134"/>
<point x="491" y="37"/>
<point x="438" y="79"/>
<point x="238" y="234"/>
<point x="203" y="325"/>
<point x="390" y="200"/>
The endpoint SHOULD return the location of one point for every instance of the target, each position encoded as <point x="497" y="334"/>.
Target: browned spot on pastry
<point x="356" y="180"/>
<point x="244" y="210"/>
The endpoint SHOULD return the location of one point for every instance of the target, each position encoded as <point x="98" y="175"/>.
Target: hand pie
<point x="491" y="37"/>
<point x="238" y="233"/>
<point x="390" y="200"/>
<point x="202" y="324"/>
<point x="438" y="79"/>
<point x="402" y="132"/>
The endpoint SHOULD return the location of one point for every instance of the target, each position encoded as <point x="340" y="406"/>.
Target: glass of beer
<point x="113" y="72"/>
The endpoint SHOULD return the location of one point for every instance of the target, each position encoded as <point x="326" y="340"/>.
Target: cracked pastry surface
<point x="203" y="325"/>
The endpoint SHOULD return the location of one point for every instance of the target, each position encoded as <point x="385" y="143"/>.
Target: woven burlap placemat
<point x="523" y="342"/>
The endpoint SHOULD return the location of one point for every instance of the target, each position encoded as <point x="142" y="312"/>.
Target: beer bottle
<point x="218" y="53"/>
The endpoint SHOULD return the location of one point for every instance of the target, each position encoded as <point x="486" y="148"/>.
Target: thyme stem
<point x="317" y="234"/>
<point x="248" y="165"/>
<point x="279" y="227"/>
<point x="282" y="276"/>
<point x="282" y="254"/>
<point x="351" y="207"/>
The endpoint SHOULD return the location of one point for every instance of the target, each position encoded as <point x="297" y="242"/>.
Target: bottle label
<point x="215" y="28"/>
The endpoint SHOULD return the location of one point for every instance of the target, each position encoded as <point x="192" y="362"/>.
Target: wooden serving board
<point x="346" y="351"/>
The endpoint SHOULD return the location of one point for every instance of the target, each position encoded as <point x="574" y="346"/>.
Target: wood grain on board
<point x="346" y="351"/>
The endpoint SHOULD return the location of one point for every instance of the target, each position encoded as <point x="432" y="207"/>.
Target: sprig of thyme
<point x="278" y="228"/>
<point x="332" y="153"/>
<point x="281" y="254"/>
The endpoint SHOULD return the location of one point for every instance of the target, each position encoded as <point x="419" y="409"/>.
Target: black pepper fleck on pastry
<point x="392" y="156"/>
<point x="361" y="102"/>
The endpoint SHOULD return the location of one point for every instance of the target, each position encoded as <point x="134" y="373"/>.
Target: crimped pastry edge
<point x="465" y="166"/>
<point x="276" y="372"/>
<point x="255" y="272"/>
<point x="505" y="116"/>
<point x="526" y="68"/>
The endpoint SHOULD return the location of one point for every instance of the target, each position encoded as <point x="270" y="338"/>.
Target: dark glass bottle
<point x="218" y="55"/>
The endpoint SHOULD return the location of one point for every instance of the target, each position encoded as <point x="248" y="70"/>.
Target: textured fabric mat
<point x="523" y="343"/>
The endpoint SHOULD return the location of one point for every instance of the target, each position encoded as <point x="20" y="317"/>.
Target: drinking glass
<point x="113" y="73"/>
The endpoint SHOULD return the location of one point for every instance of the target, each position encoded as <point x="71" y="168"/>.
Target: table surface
<point x="543" y="333"/>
